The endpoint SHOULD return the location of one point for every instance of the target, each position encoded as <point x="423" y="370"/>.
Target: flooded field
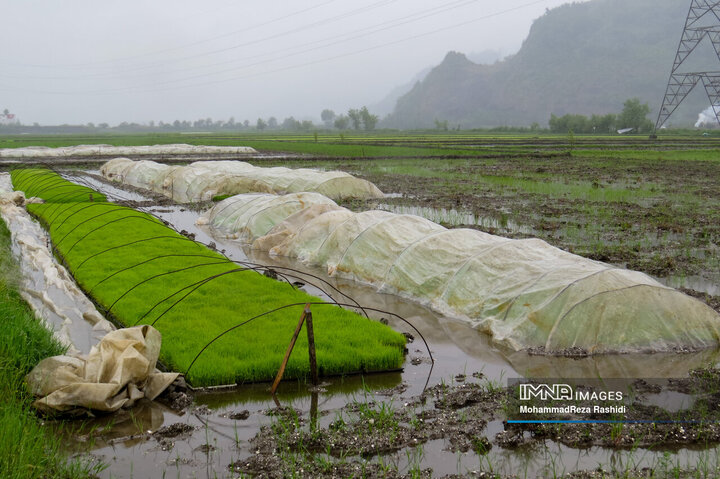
<point x="433" y="420"/>
<point x="449" y="418"/>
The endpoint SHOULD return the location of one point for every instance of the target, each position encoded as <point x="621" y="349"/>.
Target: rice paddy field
<point x="648" y="205"/>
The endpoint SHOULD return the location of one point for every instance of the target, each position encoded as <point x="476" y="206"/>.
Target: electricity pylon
<point x="703" y="20"/>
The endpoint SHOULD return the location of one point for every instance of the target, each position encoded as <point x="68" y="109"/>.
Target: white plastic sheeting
<point x="109" y="150"/>
<point x="116" y="373"/>
<point x="46" y="286"/>
<point x="203" y="180"/>
<point x="524" y="293"/>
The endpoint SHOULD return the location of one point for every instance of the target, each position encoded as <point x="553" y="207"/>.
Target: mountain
<point x="585" y="58"/>
<point x="387" y="104"/>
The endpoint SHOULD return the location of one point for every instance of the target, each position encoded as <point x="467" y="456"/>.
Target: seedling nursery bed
<point x="140" y="271"/>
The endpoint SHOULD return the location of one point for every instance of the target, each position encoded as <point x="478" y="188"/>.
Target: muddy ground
<point x="306" y="445"/>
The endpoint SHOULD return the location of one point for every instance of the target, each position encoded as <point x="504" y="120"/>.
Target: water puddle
<point x="455" y="217"/>
<point x="698" y="283"/>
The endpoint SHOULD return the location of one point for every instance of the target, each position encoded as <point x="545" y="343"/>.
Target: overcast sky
<point x="110" y="61"/>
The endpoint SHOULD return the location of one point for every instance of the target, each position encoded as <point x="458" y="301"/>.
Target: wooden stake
<point x="289" y="350"/>
<point x="311" y="346"/>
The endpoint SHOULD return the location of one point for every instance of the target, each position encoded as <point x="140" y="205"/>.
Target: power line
<point x="286" y="52"/>
<point x="296" y="66"/>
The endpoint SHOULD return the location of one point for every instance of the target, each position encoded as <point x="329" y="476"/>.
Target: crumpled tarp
<point x="203" y="180"/>
<point x="524" y="293"/>
<point x="117" y="372"/>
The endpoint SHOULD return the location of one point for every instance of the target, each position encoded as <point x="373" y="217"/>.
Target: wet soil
<point x="459" y="414"/>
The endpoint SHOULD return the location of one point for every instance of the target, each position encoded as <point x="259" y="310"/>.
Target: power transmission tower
<point x="703" y="20"/>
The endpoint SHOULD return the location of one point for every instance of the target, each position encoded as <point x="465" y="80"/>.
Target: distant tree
<point x="441" y="125"/>
<point x="327" y="116"/>
<point x="246" y="123"/>
<point x="368" y="119"/>
<point x="603" y="123"/>
<point x="177" y="124"/>
<point x="565" y="123"/>
<point x="272" y="123"/>
<point x="306" y="125"/>
<point x="291" y="124"/>
<point x="260" y="125"/>
<point x="355" y="118"/>
<point x="342" y="122"/>
<point x="230" y="123"/>
<point x="634" y="115"/>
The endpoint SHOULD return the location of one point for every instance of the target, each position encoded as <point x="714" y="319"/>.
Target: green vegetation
<point x="27" y="449"/>
<point x="634" y="116"/>
<point x="142" y="272"/>
<point x="53" y="188"/>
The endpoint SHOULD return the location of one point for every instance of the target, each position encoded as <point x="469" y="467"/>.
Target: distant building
<point x="7" y="118"/>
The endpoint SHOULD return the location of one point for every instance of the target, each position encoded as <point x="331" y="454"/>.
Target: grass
<point x="142" y="272"/>
<point x="27" y="449"/>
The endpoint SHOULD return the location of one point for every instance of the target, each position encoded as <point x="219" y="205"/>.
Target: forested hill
<point x="580" y="58"/>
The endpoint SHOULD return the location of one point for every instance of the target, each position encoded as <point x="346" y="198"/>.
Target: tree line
<point x="633" y="115"/>
<point x="355" y="118"/>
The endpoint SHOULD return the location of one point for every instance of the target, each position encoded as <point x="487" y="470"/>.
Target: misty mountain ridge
<point x="387" y="104"/>
<point x="580" y="58"/>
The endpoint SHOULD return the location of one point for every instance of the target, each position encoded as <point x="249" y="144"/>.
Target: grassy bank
<point x="142" y="272"/>
<point x="27" y="450"/>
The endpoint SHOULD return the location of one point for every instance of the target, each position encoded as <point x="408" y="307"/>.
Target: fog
<point x="114" y="61"/>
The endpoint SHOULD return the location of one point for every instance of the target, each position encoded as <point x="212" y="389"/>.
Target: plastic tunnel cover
<point x="501" y="272"/>
<point x="201" y="181"/>
<point x="260" y="222"/>
<point x="291" y="226"/>
<point x="250" y="225"/>
<point x="373" y="252"/>
<point x="307" y="241"/>
<point x="425" y="267"/>
<point x="224" y="215"/>
<point x="109" y="150"/>
<point x="218" y="215"/>
<point x="524" y="293"/>
<point x="341" y="237"/>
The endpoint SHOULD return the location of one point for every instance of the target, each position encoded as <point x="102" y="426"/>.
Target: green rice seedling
<point x="52" y="187"/>
<point x="142" y="272"/>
